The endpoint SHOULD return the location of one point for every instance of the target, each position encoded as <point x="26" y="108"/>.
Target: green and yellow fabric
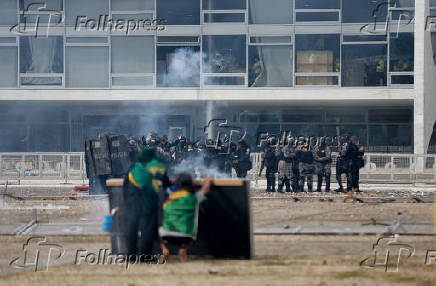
<point x="180" y="213"/>
<point x="157" y="171"/>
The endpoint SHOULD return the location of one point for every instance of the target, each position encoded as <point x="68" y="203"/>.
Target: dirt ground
<point x="279" y="259"/>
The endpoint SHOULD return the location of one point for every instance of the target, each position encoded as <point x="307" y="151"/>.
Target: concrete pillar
<point x="210" y="114"/>
<point x="425" y="80"/>
<point x="419" y="103"/>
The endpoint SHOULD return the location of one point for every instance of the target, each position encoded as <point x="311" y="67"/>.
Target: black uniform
<point x="357" y="162"/>
<point x="343" y="166"/>
<point x="269" y="160"/>
<point x="241" y="160"/>
<point x="323" y="166"/>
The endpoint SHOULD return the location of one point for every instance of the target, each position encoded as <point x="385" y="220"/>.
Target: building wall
<point x="220" y="60"/>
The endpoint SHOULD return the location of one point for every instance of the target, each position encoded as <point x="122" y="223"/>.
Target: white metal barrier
<point x="388" y="168"/>
<point x="63" y="167"/>
<point x="67" y="167"/>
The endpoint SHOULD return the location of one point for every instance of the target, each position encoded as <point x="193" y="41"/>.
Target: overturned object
<point x="224" y="224"/>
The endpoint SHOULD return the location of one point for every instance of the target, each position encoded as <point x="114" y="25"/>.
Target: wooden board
<point x="224" y="224"/>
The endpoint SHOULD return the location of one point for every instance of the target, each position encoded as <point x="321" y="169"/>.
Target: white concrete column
<point x="210" y="113"/>
<point x="419" y="70"/>
<point x="425" y="80"/>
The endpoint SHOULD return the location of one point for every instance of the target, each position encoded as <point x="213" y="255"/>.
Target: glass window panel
<point x="316" y="16"/>
<point x="364" y="65"/>
<point x="402" y="52"/>
<point x="224" y="80"/>
<point x="363" y="11"/>
<point x="87" y="67"/>
<point x="132" y="81"/>
<point x="302" y="116"/>
<point x="9" y="40"/>
<point x="270" y="66"/>
<point x="90" y="9"/>
<point x="224" y="54"/>
<point x="317" y="53"/>
<point x="132" y="5"/>
<point x="53" y="81"/>
<point x="9" y="63"/>
<point x="317" y="4"/>
<point x="178" y="66"/>
<point x="87" y="40"/>
<point x="402" y="79"/>
<point x="345" y="115"/>
<point x="31" y="19"/>
<point x="41" y="54"/>
<point x="224" y="18"/>
<point x="432" y="3"/>
<point x="260" y="11"/>
<point x="403" y="3"/>
<point x="248" y="118"/>
<point x="390" y="116"/>
<point x="360" y="131"/>
<point x="177" y="12"/>
<point x="146" y="18"/>
<point x="269" y="117"/>
<point x="32" y="5"/>
<point x="390" y="135"/>
<point x="301" y="130"/>
<point x="403" y="15"/>
<point x="46" y="141"/>
<point x="8" y="12"/>
<point x="365" y="38"/>
<point x="223" y="4"/>
<point x="270" y="40"/>
<point x="17" y="137"/>
<point x="317" y="80"/>
<point x="177" y="39"/>
<point x="133" y="54"/>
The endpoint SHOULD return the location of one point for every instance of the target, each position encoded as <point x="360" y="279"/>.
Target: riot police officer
<point x="269" y="160"/>
<point x="286" y="155"/>
<point x="241" y="160"/>
<point x="306" y="166"/>
<point x="343" y="163"/>
<point x="357" y="162"/>
<point x="323" y="165"/>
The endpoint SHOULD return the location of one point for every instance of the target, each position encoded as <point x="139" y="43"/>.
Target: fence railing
<point x="383" y="168"/>
<point x="64" y="167"/>
<point x="68" y="167"/>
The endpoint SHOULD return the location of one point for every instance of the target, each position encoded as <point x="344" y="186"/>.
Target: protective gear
<point x="241" y="160"/>
<point x="286" y="157"/>
<point x="306" y="167"/>
<point x="323" y="165"/>
<point x="269" y="160"/>
<point x="343" y="163"/>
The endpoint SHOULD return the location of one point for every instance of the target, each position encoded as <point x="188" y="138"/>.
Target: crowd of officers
<point x="297" y="161"/>
<point x="222" y="156"/>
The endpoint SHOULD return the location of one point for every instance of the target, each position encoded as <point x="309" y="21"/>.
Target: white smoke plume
<point x="184" y="68"/>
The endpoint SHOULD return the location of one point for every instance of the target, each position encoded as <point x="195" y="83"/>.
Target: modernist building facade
<point x="72" y="69"/>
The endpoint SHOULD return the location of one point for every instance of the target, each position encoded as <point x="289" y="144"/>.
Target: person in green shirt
<point x="180" y="214"/>
<point x="141" y="186"/>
